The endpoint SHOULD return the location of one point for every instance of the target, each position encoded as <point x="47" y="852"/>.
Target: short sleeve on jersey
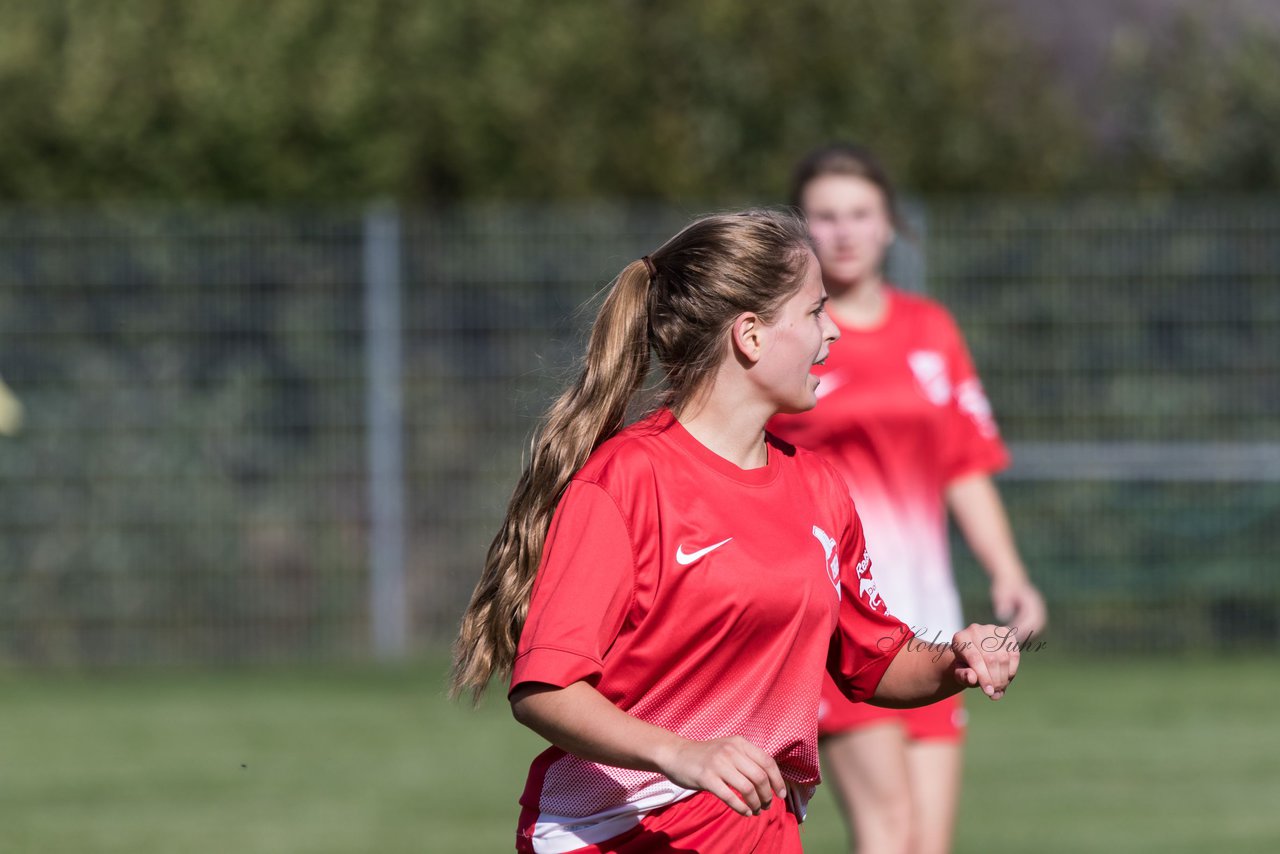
<point x="867" y="636"/>
<point x="973" y="442"/>
<point x="582" y="591"/>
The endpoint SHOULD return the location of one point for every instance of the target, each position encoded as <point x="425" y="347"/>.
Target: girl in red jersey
<point x="905" y="422"/>
<point x="667" y="595"/>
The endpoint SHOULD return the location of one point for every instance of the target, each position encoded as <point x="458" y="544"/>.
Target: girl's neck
<point x="732" y="430"/>
<point x="861" y="305"/>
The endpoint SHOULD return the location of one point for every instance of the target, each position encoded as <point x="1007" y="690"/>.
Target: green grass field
<point x="1121" y="756"/>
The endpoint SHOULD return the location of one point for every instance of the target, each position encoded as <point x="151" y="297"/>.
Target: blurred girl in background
<point x="904" y="420"/>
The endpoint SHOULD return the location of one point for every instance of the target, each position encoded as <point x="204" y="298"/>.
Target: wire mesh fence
<point x="1130" y="350"/>
<point x="227" y="444"/>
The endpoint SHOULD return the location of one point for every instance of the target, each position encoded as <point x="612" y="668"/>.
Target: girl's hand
<point x="986" y="657"/>
<point x="733" y="769"/>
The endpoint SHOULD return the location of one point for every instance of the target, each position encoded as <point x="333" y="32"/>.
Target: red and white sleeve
<point x="867" y="636"/>
<point x="581" y="594"/>
<point x="973" y="442"/>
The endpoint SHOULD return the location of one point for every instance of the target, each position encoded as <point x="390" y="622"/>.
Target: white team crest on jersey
<point x="832" y="559"/>
<point x="930" y="369"/>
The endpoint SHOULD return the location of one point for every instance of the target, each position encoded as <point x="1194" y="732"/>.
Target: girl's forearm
<point x="921" y="673"/>
<point x="580" y="720"/>
<point x="975" y="503"/>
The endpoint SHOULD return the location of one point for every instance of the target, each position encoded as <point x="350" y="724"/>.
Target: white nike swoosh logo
<point x="686" y="559"/>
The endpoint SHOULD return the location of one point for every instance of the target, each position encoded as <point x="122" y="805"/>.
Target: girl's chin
<point x="843" y="273"/>
<point x="802" y="402"/>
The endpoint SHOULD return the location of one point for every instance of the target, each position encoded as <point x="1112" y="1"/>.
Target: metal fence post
<point x="385" y="431"/>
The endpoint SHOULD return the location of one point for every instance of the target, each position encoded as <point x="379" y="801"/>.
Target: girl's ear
<point x="748" y="336"/>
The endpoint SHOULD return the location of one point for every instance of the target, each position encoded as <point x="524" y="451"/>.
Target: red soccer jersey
<point x="901" y="413"/>
<point x="702" y="598"/>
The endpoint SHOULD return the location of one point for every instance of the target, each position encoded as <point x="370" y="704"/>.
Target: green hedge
<point x="317" y="99"/>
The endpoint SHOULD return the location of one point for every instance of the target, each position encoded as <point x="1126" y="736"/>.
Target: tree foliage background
<point x="317" y="99"/>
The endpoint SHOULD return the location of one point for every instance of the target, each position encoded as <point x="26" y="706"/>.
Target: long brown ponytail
<point x="678" y="304"/>
<point x="585" y="414"/>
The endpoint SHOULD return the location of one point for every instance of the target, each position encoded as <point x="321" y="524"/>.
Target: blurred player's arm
<point x="580" y="720"/>
<point x="975" y="503"/>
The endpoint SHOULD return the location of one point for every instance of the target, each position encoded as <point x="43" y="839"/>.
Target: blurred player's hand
<point x="1019" y="605"/>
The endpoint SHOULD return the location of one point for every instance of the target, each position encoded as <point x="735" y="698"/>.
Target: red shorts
<point x="705" y="824"/>
<point x="941" y="721"/>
